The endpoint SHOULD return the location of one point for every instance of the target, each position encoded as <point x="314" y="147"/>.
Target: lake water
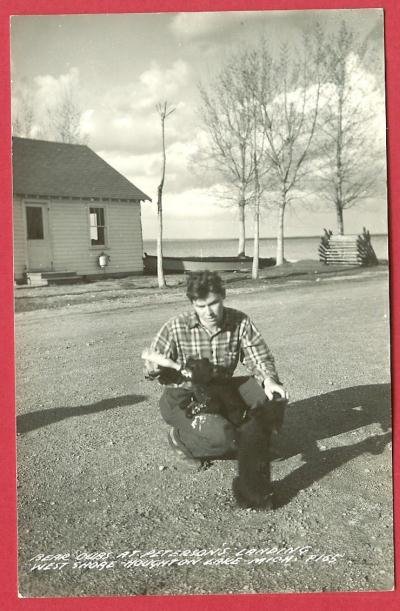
<point x="295" y="248"/>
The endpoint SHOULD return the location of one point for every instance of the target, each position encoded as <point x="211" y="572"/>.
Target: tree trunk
<point x="256" y="247"/>
<point x="339" y="219"/>
<point x="280" y="255"/>
<point x="242" y="228"/>
<point x="339" y="163"/>
<point x="160" y="271"/>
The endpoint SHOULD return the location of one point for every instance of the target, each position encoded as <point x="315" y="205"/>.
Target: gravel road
<point x="96" y="475"/>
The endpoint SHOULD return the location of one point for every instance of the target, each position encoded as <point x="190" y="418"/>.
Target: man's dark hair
<point x="201" y="284"/>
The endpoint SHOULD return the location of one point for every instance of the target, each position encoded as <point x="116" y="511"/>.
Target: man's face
<point x="210" y="310"/>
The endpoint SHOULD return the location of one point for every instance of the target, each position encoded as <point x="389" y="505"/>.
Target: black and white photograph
<point x="202" y="320"/>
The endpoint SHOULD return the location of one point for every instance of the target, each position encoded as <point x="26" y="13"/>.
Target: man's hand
<point x="151" y="368"/>
<point x="154" y="362"/>
<point x="270" y="387"/>
<point x="158" y="360"/>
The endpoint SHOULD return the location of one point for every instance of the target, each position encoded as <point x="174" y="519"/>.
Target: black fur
<point x="211" y="390"/>
<point x="212" y="394"/>
<point x="252" y="487"/>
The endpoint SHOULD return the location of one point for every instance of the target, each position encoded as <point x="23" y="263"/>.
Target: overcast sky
<point x="124" y="64"/>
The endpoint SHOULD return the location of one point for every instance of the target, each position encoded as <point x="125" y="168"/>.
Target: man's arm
<point x="163" y="344"/>
<point x="258" y="359"/>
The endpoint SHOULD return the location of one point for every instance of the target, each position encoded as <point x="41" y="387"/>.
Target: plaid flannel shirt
<point x="238" y="338"/>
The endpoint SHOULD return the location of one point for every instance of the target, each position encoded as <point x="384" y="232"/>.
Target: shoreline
<point x="289" y="237"/>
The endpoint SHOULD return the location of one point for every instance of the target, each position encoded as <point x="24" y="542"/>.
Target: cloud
<point x="141" y="170"/>
<point x="48" y="90"/>
<point x="191" y="214"/>
<point x="364" y="100"/>
<point x="159" y="84"/>
<point x="153" y="85"/>
<point x="127" y="119"/>
<point x="201" y="25"/>
<point x="121" y="133"/>
<point x="194" y="203"/>
<point x="36" y="104"/>
<point x="144" y="170"/>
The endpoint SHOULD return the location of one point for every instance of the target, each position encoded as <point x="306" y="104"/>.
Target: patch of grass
<point x="307" y="269"/>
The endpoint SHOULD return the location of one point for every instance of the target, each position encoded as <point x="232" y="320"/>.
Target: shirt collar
<point x="195" y="322"/>
<point x="193" y="319"/>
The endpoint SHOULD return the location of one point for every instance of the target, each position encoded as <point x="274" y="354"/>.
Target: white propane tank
<point x="103" y="260"/>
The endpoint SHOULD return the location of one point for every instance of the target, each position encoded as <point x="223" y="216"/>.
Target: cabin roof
<point x="58" y="169"/>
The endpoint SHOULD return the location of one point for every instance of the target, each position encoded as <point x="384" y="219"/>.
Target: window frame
<point x="95" y="206"/>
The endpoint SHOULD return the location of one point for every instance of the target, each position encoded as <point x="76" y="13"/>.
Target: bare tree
<point x="59" y="120"/>
<point x="23" y="112"/>
<point x="350" y="153"/>
<point x="251" y="70"/>
<point x="229" y="122"/>
<point x="164" y="113"/>
<point x="289" y="95"/>
<point x="63" y="117"/>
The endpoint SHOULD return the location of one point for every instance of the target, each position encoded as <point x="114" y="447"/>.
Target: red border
<point x="8" y="571"/>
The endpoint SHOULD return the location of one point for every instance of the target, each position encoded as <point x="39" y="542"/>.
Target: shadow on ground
<point x="44" y="417"/>
<point x="326" y="416"/>
<point x="308" y="421"/>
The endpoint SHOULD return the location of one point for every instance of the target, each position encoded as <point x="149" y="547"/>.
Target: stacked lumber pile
<point x="347" y="249"/>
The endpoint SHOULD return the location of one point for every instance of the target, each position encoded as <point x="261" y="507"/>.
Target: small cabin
<point x="73" y="213"/>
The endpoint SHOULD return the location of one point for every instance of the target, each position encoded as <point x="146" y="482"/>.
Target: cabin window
<point x="34" y="222"/>
<point x="97" y="227"/>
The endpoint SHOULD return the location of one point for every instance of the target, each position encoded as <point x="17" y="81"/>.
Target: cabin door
<point x="37" y="235"/>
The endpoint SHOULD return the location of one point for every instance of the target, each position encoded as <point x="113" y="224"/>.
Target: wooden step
<point x="45" y="278"/>
<point x="60" y="274"/>
<point x="347" y="249"/>
<point x="344" y="238"/>
<point x="64" y="278"/>
<point x="35" y="279"/>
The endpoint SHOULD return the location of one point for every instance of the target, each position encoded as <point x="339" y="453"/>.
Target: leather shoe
<point x="188" y="462"/>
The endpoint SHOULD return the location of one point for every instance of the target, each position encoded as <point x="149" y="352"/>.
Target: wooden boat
<point x="179" y="265"/>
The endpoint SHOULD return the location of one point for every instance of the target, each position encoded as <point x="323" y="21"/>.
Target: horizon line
<point x="297" y="237"/>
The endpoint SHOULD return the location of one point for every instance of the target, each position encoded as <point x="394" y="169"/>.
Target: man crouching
<point x="223" y="335"/>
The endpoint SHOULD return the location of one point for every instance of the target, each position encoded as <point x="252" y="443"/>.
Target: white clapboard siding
<point x="125" y="237"/>
<point x="20" y="246"/>
<point x="72" y="251"/>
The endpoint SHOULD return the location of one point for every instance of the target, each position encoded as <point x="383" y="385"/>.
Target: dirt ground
<point x="140" y="290"/>
<point x="96" y="475"/>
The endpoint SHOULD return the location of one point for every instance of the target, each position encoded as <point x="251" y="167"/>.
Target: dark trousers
<point x="211" y="435"/>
